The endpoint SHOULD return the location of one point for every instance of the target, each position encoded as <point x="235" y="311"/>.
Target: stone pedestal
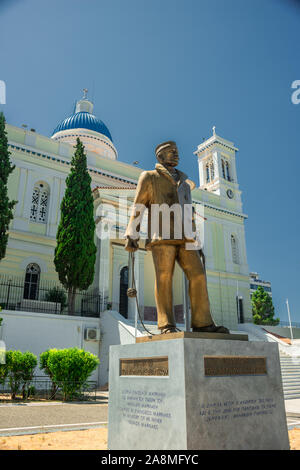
<point x="196" y="394"/>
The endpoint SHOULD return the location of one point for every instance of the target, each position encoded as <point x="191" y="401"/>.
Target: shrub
<point x="3" y="373"/>
<point x="69" y="369"/>
<point x="57" y="295"/>
<point x="20" y="369"/>
<point x="44" y="366"/>
<point x="263" y="308"/>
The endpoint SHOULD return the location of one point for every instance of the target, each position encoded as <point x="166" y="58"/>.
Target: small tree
<point x="75" y="252"/>
<point x="20" y="369"/>
<point x="69" y="368"/>
<point x="44" y="366"/>
<point x="3" y="365"/>
<point x="262" y="308"/>
<point x="6" y="206"/>
<point x="57" y="295"/>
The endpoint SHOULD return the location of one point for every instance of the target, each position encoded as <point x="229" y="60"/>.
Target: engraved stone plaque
<point x="145" y="366"/>
<point x="234" y="365"/>
<point x="209" y="395"/>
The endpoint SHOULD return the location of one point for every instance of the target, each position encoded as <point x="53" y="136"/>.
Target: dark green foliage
<point x="75" y="253"/>
<point x="6" y="206"/>
<point x="3" y="365"/>
<point x="262" y="308"/>
<point x="44" y="366"/>
<point x="20" y="368"/>
<point x="69" y="369"/>
<point x="3" y="373"/>
<point x="57" y="295"/>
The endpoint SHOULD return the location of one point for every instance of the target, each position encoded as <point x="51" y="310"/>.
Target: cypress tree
<point x="262" y="308"/>
<point x="6" y="206"/>
<point x="75" y="252"/>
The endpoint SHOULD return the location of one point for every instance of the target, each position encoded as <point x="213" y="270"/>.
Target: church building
<point x="38" y="183"/>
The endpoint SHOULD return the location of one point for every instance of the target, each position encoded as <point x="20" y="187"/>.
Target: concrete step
<point x="291" y="379"/>
<point x="290" y="363"/>
<point x="290" y="360"/>
<point x="291" y="386"/>
<point x="291" y="396"/>
<point x="290" y="373"/>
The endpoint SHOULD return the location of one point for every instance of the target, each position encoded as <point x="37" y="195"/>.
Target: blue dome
<point x="83" y="120"/>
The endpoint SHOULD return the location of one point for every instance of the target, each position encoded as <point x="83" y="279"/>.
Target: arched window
<point x="39" y="203"/>
<point x="32" y="280"/>
<point x="123" y="304"/>
<point x="234" y="250"/>
<point x="207" y="173"/>
<point x="212" y="171"/>
<point x="223" y="169"/>
<point x="227" y="171"/>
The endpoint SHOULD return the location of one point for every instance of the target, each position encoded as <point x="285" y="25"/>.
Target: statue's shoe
<point x="211" y="329"/>
<point x="169" y="329"/>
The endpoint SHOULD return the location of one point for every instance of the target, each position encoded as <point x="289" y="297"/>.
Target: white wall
<point x="36" y="332"/>
<point x="115" y="329"/>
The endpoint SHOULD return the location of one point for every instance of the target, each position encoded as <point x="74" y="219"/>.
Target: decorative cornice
<point x="215" y="139"/>
<point x="68" y="162"/>
<point x="220" y="209"/>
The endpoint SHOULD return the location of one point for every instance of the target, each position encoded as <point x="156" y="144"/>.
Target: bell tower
<point x="217" y="168"/>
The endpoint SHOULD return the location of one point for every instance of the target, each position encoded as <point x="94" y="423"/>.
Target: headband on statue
<point x="164" y="145"/>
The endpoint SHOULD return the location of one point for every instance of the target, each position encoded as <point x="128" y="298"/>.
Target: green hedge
<point x="19" y="370"/>
<point x="68" y="369"/>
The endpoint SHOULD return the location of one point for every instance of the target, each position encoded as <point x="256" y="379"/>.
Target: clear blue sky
<point x="171" y="69"/>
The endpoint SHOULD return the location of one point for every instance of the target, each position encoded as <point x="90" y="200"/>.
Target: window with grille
<point x="207" y="174"/>
<point x="212" y="171"/>
<point x="39" y="204"/>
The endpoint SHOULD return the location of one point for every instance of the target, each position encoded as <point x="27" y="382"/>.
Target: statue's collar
<point x="163" y="170"/>
<point x="182" y="176"/>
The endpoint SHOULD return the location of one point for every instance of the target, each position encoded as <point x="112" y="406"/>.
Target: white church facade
<point x="38" y="184"/>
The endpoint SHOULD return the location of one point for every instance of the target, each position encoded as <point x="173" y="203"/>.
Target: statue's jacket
<point x="155" y="188"/>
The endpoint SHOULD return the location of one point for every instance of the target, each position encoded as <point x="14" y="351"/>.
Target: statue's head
<point x="167" y="153"/>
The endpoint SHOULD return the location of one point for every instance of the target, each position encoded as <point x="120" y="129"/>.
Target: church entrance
<point x="123" y="303"/>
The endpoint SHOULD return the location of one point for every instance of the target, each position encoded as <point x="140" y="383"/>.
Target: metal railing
<point x="294" y="324"/>
<point x="41" y="388"/>
<point x="47" y="297"/>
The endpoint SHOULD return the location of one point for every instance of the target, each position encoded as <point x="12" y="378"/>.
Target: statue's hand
<point x="131" y="245"/>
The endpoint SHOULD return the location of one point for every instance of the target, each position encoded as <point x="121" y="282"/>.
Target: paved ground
<point x="292" y="408"/>
<point x="37" y="417"/>
<point x="31" y="418"/>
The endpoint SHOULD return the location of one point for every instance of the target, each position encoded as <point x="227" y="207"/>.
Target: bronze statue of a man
<point x="167" y="185"/>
